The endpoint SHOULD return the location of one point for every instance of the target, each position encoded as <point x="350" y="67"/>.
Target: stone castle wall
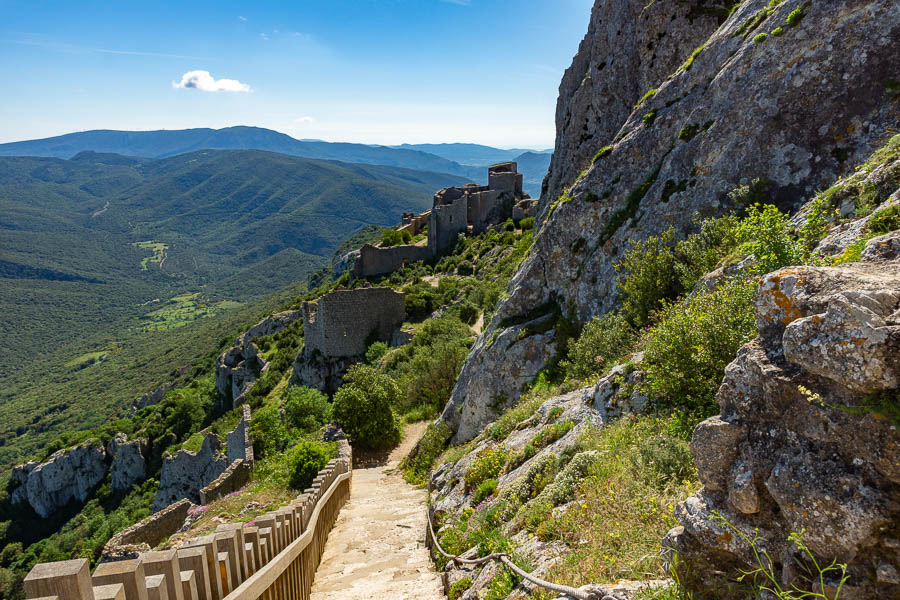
<point x="339" y="323"/>
<point x="232" y="479"/>
<point x="446" y="223"/>
<point x="374" y="261"/>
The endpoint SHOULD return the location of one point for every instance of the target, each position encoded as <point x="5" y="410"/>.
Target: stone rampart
<point x="232" y="479"/>
<point x="147" y="533"/>
<point x="238" y="445"/>
<point x="374" y="260"/>
<point x="446" y="223"/>
<point x="340" y="323"/>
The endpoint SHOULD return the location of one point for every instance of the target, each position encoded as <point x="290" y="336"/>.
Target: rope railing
<point x="587" y="592"/>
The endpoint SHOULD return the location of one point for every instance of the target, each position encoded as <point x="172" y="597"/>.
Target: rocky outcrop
<point x="186" y="473"/>
<point x="151" y="398"/>
<point x="805" y="440"/>
<point x="66" y="476"/>
<point x="793" y="111"/>
<point x="129" y="461"/>
<point x="629" y="48"/>
<point x="238" y="367"/>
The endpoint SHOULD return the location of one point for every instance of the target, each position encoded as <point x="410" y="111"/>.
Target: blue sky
<point x="370" y="71"/>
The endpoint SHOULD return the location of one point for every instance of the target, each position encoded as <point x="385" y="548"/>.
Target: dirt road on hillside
<point x="376" y="550"/>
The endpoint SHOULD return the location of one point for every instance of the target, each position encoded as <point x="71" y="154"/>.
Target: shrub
<point x="376" y="352"/>
<point x="267" y="431"/>
<point x="760" y="37"/>
<point x="363" y="408"/>
<point x="601" y="344"/>
<point x="686" y="352"/>
<point x="305" y="460"/>
<point x="465" y="268"/>
<point x="391" y="237"/>
<point x="484" y="490"/>
<point x="778" y="31"/>
<point x="766" y="234"/>
<point x="468" y="313"/>
<point x="306" y="409"/>
<point x="699" y="253"/>
<point x="527" y="223"/>
<point x="795" y="17"/>
<point x="650" y="93"/>
<point x="648" y="118"/>
<point x="487" y="465"/>
<point x="647" y="276"/>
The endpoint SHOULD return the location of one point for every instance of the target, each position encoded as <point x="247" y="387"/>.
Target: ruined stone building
<point x="337" y="328"/>
<point x="470" y="209"/>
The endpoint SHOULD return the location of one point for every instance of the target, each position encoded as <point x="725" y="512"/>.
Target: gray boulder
<point x="803" y="441"/>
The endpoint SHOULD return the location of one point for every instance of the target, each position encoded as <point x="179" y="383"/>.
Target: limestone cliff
<point x="805" y="441"/>
<point x="66" y="476"/>
<point x="793" y="110"/>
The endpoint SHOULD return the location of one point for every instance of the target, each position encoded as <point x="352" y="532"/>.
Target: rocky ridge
<point x="791" y="111"/>
<point x="805" y="441"/>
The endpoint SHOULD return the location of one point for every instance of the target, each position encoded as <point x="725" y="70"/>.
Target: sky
<point x="366" y="71"/>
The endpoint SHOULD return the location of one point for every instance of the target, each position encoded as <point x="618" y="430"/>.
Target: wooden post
<point x="267" y="522"/>
<point x="188" y="585"/>
<point x="193" y="560"/>
<point x="114" y="591"/>
<point x="225" y="572"/>
<point x="251" y="536"/>
<point x="238" y="530"/>
<point x="226" y="542"/>
<point x="165" y="563"/>
<point x="68" y="580"/>
<point x="208" y="543"/>
<point x="130" y="573"/>
<point x="156" y="587"/>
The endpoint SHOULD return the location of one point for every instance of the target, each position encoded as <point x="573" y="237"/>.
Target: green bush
<point x="699" y="253"/>
<point x="305" y="460"/>
<point x="647" y="277"/>
<point x="686" y="352"/>
<point x="527" y="223"/>
<point x="391" y="237"/>
<point x="306" y="409"/>
<point x="468" y="313"/>
<point x="465" y="268"/>
<point x="363" y="407"/>
<point x="376" y="352"/>
<point x="794" y="18"/>
<point x="601" y="344"/>
<point x="267" y="431"/>
<point x="766" y="234"/>
<point x="484" y="490"/>
<point x="459" y="588"/>
<point x="664" y="460"/>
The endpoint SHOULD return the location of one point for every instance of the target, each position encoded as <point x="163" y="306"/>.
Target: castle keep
<point x="470" y="209"/>
<point x="338" y="324"/>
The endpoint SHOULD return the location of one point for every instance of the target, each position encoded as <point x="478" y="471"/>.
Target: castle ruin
<point x="470" y="210"/>
<point x="337" y="329"/>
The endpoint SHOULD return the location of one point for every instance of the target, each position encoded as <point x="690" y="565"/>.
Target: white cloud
<point x="242" y="18"/>
<point x="203" y="81"/>
<point x="264" y="37"/>
<point x="306" y="119"/>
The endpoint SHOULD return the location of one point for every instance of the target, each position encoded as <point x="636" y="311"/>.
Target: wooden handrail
<point x="274" y="560"/>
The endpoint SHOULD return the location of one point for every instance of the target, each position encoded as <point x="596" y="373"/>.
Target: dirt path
<point x="377" y="547"/>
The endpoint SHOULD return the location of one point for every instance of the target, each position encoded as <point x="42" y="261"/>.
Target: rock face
<point x="803" y="441"/>
<point x="67" y="475"/>
<point x="129" y="463"/>
<point x="238" y="367"/>
<point x="186" y="473"/>
<point x="793" y="110"/>
<point x="151" y="398"/>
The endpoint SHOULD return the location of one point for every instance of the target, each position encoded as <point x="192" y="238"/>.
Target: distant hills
<point x="464" y="160"/>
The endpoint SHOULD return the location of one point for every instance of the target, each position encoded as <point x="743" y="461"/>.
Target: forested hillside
<point x="114" y="269"/>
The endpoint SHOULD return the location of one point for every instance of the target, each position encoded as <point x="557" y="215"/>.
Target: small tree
<point x="363" y="407"/>
<point x="306" y="409"/>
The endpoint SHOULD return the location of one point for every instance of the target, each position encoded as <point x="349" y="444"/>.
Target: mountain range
<point x="465" y="160"/>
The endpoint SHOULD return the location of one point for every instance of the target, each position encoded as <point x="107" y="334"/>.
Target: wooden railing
<point x="272" y="558"/>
